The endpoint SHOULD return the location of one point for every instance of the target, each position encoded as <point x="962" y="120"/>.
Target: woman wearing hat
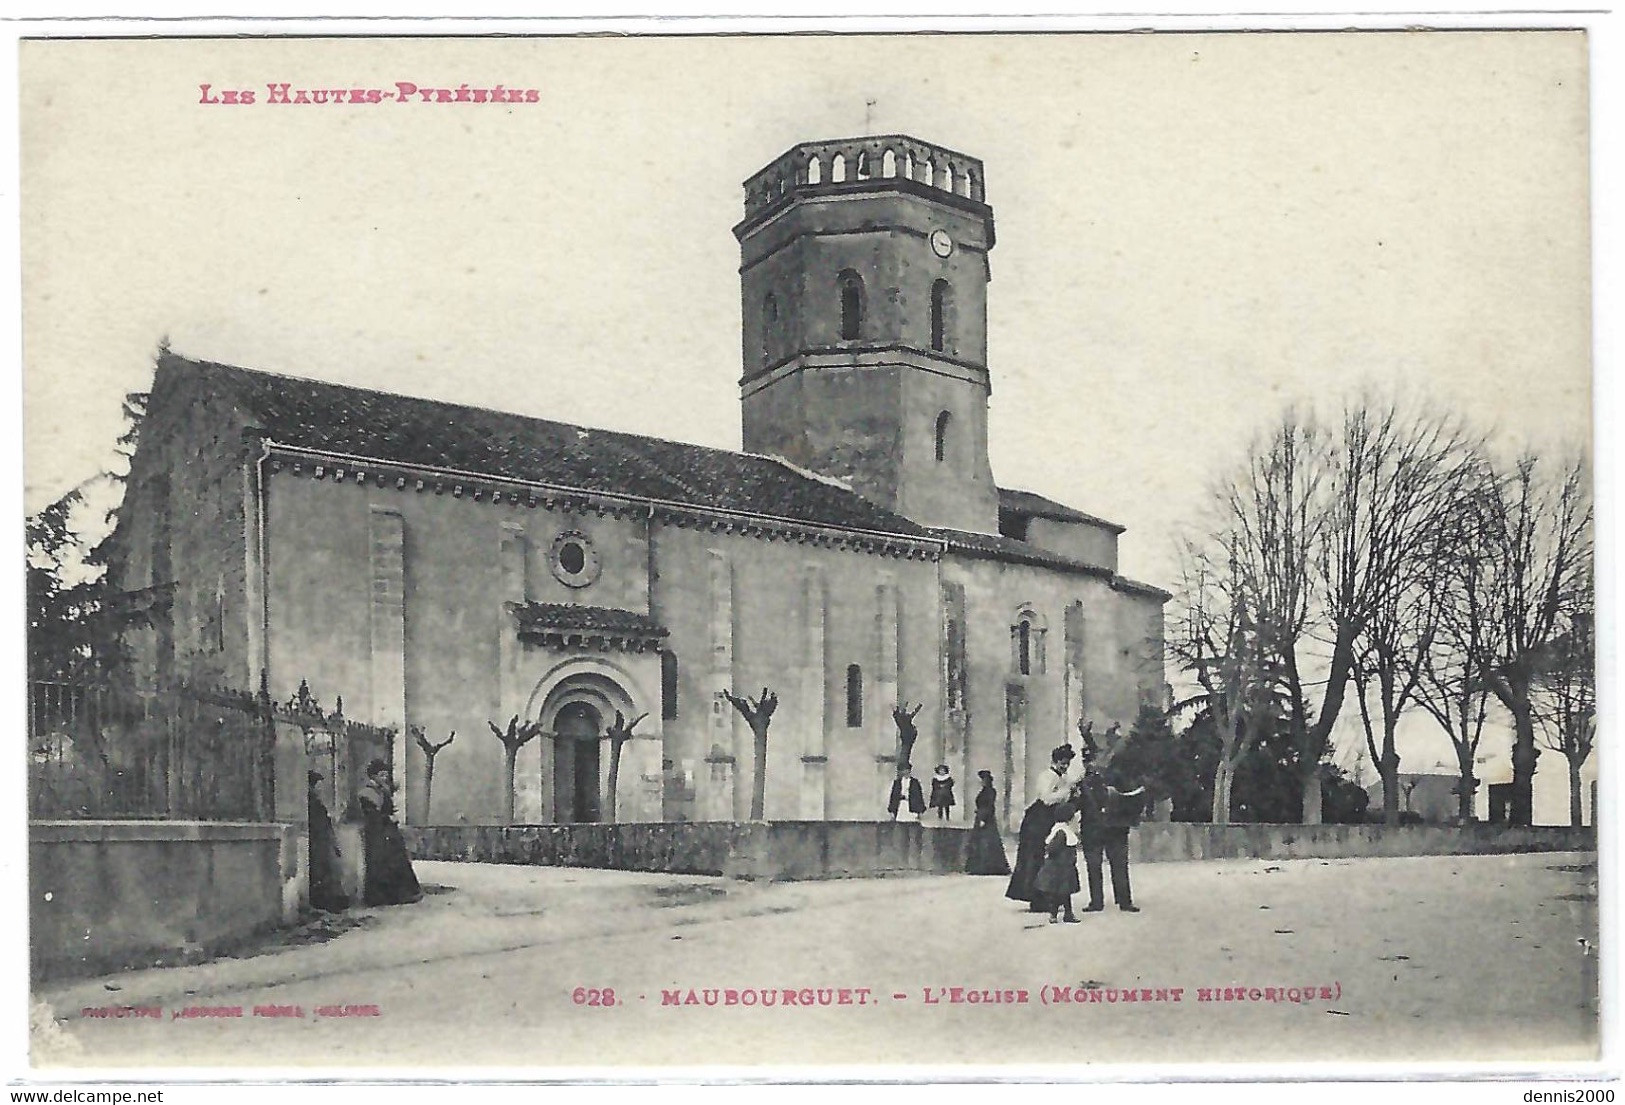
<point x="1054" y="787"/>
<point x="389" y="879"/>
<point x="326" y="876"/>
<point x="984" y="852"/>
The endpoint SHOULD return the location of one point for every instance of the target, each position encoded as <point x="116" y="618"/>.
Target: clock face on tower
<point x="941" y="244"/>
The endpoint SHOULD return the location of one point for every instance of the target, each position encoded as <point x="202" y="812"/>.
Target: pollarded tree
<point x="907" y="733"/>
<point x="617" y="735"/>
<point x="430" y="751"/>
<point x="515" y="738"/>
<point x="758" y="714"/>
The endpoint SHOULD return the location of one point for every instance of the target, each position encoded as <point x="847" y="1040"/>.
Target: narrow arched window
<point x="815" y="171"/>
<point x="863" y="164"/>
<point x="888" y="164"/>
<point x="1027" y="642"/>
<point x="943" y="421"/>
<point x="854" y="697"/>
<point x="941" y="299"/>
<point x="948" y="177"/>
<point x="668" y="685"/>
<point x="837" y="168"/>
<point x="851" y="305"/>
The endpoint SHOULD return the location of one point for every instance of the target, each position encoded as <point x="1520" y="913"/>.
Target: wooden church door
<point x="577" y="764"/>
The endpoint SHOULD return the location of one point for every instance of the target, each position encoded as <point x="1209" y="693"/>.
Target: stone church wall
<point x="1089" y="657"/>
<point x="183" y="521"/>
<point x="746" y="613"/>
<point x="339" y="587"/>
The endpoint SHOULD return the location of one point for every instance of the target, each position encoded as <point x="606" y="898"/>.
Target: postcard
<point x="588" y="553"/>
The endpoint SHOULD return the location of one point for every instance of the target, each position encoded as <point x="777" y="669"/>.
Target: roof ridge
<point x="350" y="420"/>
<point x="371" y="391"/>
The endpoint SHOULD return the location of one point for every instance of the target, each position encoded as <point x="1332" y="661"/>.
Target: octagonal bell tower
<point x="864" y="273"/>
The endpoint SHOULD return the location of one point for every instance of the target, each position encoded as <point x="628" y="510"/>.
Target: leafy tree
<point x="75" y="620"/>
<point x="1154" y="757"/>
<point x="1346" y="801"/>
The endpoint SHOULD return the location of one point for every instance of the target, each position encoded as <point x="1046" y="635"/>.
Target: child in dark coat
<point x="942" y="792"/>
<point x="1057" y="880"/>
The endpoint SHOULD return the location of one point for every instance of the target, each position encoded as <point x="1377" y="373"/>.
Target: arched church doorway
<point x="576" y="793"/>
<point x="575" y="703"/>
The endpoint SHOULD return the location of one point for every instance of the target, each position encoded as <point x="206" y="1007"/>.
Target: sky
<point x="1193" y="232"/>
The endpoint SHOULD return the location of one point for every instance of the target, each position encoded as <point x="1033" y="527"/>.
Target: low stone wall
<point x="681" y="848"/>
<point x="110" y="894"/>
<point x="846" y="849"/>
<point x="1173" y="840"/>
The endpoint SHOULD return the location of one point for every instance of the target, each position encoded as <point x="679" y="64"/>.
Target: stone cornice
<point x="370" y="472"/>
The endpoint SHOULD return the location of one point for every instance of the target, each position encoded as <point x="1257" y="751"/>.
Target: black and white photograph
<point x="568" y="554"/>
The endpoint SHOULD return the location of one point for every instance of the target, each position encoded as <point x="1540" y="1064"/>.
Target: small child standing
<point x="1057" y="880"/>
<point x="942" y="792"/>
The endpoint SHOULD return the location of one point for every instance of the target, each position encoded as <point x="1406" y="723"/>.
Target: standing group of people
<point x="387" y="875"/>
<point x="1075" y="810"/>
<point x="907" y="801"/>
<point x="984" y="854"/>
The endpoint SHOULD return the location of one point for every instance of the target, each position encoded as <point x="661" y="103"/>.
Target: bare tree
<point x="1396" y="477"/>
<point x="1394" y="650"/>
<point x="1542" y="542"/>
<point x="430" y="751"/>
<point x="758" y="714"/>
<point x="1215" y="640"/>
<point x="1278" y="515"/>
<point x="907" y="732"/>
<point x="516" y="737"/>
<point x="1453" y="688"/>
<point x="617" y="735"/>
<point x="1566" y="697"/>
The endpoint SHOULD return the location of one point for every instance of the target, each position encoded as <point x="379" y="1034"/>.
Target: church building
<point x="448" y="568"/>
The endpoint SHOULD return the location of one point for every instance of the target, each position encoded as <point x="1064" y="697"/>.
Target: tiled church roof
<point x="424" y="432"/>
<point x="1035" y="505"/>
<point x="589" y="626"/>
<point x="992" y="546"/>
<point x="559" y="615"/>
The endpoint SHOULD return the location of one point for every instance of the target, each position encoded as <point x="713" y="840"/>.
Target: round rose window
<point x="575" y="562"/>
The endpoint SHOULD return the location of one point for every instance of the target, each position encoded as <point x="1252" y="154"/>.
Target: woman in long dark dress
<point x="1054" y="787"/>
<point x="984" y="853"/>
<point x="326" y="878"/>
<point x="389" y="879"/>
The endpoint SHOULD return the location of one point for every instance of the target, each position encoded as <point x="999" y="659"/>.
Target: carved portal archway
<point x="576" y="702"/>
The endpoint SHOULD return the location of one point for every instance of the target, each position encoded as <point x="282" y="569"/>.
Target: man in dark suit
<point x="1107" y="815"/>
<point x="907" y="800"/>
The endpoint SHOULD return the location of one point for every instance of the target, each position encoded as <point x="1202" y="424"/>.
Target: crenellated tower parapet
<point x="848" y="164"/>
<point x="864" y="274"/>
